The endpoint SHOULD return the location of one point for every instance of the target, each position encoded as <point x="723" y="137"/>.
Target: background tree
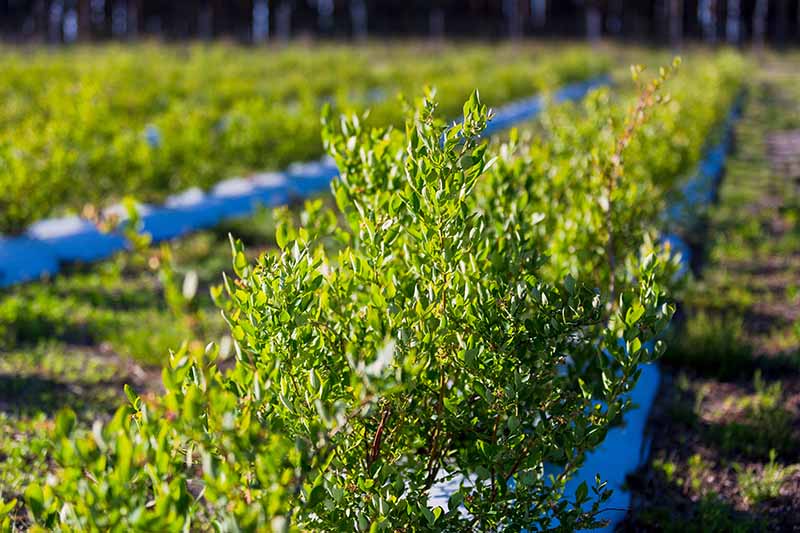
<point x="733" y="31"/>
<point x="707" y="15"/>
<point x="594" y="20"/>
<point x="782" y="21"/>
<point x="260" y="24"/>
<point x="539" y="13"/>
<point x="760" y="21"/>
<point x="358" y="18"/>
<point x="255" y="21"/>
<point x="283" y="20"/>
<point x="675" y="22"/>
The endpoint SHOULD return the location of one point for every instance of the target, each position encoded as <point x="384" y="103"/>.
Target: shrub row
<point x="560" y="164"/>
<point x="94" y="124"/>
<point x="471" y="316"/>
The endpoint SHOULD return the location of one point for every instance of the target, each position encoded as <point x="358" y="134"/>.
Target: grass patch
<point x="764" y="427"/>
<point x="711" y="345"/>
<point x="711" y="514"/>
<point x="758" y="485"/>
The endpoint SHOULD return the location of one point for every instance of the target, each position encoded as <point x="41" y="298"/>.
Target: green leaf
<point x="581" y="493"/>
<point x="240" y="263"/>
<point x="65" y="422"/>
<point x="569" y="283"/>
<point x="34" y="499"/>
<point x="314" y="381"/>
<point x="124" y="457"/>
<point x="634" y="313"/>
<point x="281" y="236"/>
<point x="482" y="472"/>
<point x="341" y="195"/>
<point x="133" y="398"/>
<point x="428" y="514"/>
<point x="7" y="507"/>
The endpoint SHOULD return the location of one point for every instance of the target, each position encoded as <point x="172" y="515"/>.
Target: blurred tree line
<point x="659" y="21"/>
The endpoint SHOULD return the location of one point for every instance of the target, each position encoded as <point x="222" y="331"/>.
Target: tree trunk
<point x="675" y="22"/>
<point x="358" y="19"/>
<point x="260" y="27"/>
<point x="119" y="19"/>
<point x="615" y="17"/>
<point x="513" y="18"/>
<point x="40" y="11"/>
<point x="707" y="13"/>
<point x="55" y="18"/>
<point x="436" y="23"/>
<point x="283" y="21"/>
<point x="733" y="29"/>
<point x="782" y="28"/>
<point x="84" y="20"/>
<point x="205" y="21"/>
<point x="325" y="10"/>
<point x="760" y="22"/>
<point x="594" y="22"/>
<point x="132" y="18"/>
<point x="539" y="13"/>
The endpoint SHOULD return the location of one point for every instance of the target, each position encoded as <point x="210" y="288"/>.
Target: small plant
<point x="758" y="485"/>
<point x="668" y="468"/>
<point x="697" y="471"/>
<point x="766" y="397"/>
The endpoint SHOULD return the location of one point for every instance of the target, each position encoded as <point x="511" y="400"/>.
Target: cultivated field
<point x="461" y="313"/>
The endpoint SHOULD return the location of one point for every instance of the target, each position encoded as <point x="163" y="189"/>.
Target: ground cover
<point x="726" y="428"/>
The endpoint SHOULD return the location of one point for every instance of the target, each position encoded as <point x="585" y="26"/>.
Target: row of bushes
<point x="471" y="315"/>
<point x="92" y="125"/>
